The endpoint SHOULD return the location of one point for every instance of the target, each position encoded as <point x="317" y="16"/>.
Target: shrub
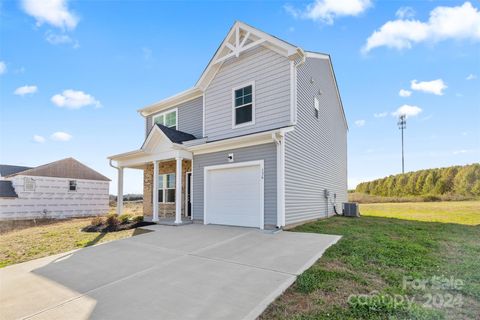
<point x="112" y="221"/>
<point x="96" y="221"/>
<point x="137" y="219"/>
<point x="124" y="218"/>
<point x="431" y="198"/>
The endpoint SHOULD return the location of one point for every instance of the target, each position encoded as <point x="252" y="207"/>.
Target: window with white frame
<point x="166" y="188"/>
<point x="167" y="119"/>
<point x="28" y="184"/>
<point x="316" y="104"/>
<point x="72" y="185"/>
<point x="243" y="105"/>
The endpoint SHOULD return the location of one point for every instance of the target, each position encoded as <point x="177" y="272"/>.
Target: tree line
<point x="454" y="180"/>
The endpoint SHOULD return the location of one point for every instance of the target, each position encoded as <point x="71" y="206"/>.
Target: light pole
<point x="402" y="125"/>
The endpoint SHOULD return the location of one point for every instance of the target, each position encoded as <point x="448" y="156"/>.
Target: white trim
<point x="191" y="194"/>
<point x="317" y="55"/>
<point x="236" y="165"/>
<point x="155" y="192"/>
<point x="187" y="183"/>
<point x="293" y="84"/>
<point x="183" y="96"/>
<point x="204" y="99"/>
<point x="164" y="114"/>
<point x="120" y="190"/>
<point x="245" y="124"/>
<point x="178" y="190"/>
<point x="237" y="142"/>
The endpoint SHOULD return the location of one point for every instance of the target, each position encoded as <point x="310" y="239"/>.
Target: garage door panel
<point x="234" y="196"/>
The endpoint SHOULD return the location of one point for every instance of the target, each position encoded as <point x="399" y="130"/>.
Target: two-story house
<point x="259" y="141"/>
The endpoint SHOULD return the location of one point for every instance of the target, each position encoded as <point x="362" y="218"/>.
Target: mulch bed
<point x="124" y="226"/>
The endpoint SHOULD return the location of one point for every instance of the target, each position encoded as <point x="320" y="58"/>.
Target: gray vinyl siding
<point x="266" y="152"/>
<point x="271" y="73"/>
<point x="190" y="119"/>
<point x="316" y="151"/>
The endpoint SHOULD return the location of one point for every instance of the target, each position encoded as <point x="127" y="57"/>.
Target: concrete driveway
<point x="187" y="272"/>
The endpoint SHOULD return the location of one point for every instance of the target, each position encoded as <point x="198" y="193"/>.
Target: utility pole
<point x="402" y="125"/>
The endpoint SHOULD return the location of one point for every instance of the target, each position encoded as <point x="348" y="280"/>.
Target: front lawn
<point x="376" y="256"/>
<point x="41" y="241"/>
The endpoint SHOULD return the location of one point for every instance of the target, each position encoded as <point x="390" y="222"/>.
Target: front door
<point x="188" y="188"/>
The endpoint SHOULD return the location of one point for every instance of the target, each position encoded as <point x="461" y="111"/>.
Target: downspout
<point x="119" y="187"/>
<point x="279" y="139"/>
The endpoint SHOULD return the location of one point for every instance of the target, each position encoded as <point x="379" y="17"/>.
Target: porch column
<point x="120" y="191"/>
<point x="155" y="192"/>
<point x="178" y="191"/>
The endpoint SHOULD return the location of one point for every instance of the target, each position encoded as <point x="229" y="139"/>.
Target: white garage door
<point x="234" y="194"/>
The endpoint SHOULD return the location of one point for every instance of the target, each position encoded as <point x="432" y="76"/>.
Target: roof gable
<point x="65" y="168"/>
<point x="161" y="138"/>
<point x="239" y="39"/>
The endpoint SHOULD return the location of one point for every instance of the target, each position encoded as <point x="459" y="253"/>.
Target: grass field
<point x="377" y="253"/>
<point x="462" y="212"/>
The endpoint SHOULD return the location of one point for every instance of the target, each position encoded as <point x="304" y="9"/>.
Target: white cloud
<point x="3" y="67"/>
<point x="72" y="99"/>
<point x="435" y="86"/>
<point x="61" y="136"/>
<point x="21" y="91"/>
<point x="360" y="123"/>
<point x="380" y="115"/>
<point x="53" y="12"/>
<point x="404" y="93"/>
<point x="58" y="39"/>
<point x="471" y="76"/>
<point x="405" y="12"/>
<point x="460" y="151"/>
<point x="407" y="110"/>
<point x="38" y="139"/>
<point x="326" y="11"/>
<point x="461" y="22"/>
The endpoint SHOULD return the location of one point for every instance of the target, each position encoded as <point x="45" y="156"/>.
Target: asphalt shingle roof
<point x="6" y="170"/>
<point x="176" y="136"/>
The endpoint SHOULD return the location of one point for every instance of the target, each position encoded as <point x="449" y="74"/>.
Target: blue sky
<point x="73" y="74"/>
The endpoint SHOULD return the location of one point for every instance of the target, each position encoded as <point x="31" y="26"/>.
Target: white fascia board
<point x="171" y="101"/>
<point x="317" y="55"/>
<point x="124" y="155"/>
<point x="238" y="142"/>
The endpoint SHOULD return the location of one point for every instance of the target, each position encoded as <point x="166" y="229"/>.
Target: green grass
<point x="41" y="241"/>
<point x="462" y="212"/>
<point x="376" y="253"/>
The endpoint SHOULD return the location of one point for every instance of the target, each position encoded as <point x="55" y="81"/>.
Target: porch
<point x="167" y="177"/>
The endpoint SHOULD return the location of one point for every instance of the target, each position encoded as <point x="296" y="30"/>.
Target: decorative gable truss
<point x="238" y="41"/>
<point x="242" y="38"/>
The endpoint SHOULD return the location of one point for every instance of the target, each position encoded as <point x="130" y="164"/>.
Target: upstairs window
<point x="243" y="106"/>
<point x="316" y="105"/>
<point x="167" y="119"/>
<point x="72" y="185"/>
<point x="166" y="188"/>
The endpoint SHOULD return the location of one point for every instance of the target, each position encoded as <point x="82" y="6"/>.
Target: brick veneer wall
<point x="164" y="209"/>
